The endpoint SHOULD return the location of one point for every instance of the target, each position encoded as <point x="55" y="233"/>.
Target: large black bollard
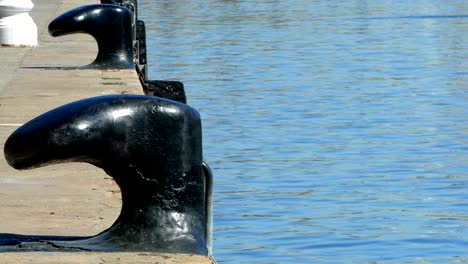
<point x="152" y="147"/>
<point x="110" y="25"/>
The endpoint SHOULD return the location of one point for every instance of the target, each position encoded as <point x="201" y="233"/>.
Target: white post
<point x="17" y="27"/>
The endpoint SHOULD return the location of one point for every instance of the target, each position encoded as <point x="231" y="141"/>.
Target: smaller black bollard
<point x="152" y="148"/>
<point x="110" y="25"/>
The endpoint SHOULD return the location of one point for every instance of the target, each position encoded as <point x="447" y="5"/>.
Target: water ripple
<point x="337" y="130"/>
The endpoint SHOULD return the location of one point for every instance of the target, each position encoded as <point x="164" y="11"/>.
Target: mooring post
<point x="110" y="25"/>
<point x="17" y="28"/>
<point x="152" y="147"/>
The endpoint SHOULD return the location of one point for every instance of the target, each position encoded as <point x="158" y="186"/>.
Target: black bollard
<point x="151" y="146"/>
<point x="110" y="25"/>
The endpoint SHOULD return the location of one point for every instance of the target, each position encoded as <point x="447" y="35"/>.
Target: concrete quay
<point x="67" y="199"/>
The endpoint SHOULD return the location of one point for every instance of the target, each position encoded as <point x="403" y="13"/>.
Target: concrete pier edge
<point x="68" y="199"/>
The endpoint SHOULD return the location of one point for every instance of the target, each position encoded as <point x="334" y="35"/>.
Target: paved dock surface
<point x="68" y="199"/>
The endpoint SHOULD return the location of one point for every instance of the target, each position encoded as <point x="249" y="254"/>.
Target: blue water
<point x="337" y="130"/>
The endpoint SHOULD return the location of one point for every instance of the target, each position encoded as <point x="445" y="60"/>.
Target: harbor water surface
<point x="337" y="130"/>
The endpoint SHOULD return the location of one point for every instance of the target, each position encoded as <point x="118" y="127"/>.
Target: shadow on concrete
<point x="17" y="242"/>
